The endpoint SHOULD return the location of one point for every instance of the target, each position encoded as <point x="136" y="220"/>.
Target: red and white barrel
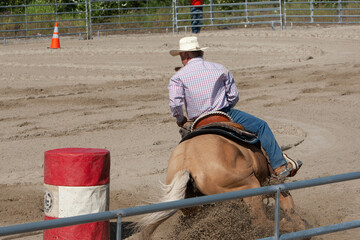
<point x="76" y="182"/>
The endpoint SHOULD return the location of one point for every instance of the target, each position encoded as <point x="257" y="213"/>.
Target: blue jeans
<point x="196" y="16"/>
<point x="263" y="132"/>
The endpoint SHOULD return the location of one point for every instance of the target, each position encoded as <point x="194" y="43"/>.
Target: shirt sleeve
<point x="232" y="92"/>
<point x="176" y="97"/>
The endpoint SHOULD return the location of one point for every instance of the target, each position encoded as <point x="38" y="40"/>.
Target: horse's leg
<point x="174" y="191"/>
<point x="292" y="221"/>
<point x="255" y="204"/>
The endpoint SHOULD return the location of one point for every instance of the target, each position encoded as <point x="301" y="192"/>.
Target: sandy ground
<point x="112" y="93"/>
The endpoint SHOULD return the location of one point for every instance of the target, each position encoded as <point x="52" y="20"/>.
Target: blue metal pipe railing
<point x="318" y="231"/>
<point x="127" y="212"/>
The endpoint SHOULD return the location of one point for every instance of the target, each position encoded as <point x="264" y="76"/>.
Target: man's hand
<point x="180" y="124"/>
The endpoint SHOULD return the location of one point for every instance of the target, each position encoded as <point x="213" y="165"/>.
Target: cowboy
<point x="205" y="87"/>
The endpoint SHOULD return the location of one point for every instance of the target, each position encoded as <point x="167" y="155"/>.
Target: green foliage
<point x="39" y="9"/>
<point x="159" y="3"/>
<point x="224" y="1"/>
<point x="235" y="7"/>
<point x="71" y="7"/>
<point x="11" y="2"/>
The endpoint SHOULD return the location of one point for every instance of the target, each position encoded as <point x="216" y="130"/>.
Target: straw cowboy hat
<point x="187" y="44"/>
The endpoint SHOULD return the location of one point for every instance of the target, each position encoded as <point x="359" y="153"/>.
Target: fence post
<point x="119" y="12"/>
<point x="339" y="9"/>
<point x="246" y="12"/>
<point x="147" y="14"/>
<point x="56" y="9"/>
<point x="211" y="12"/>
<point x="88" y="9"/>
<point x="175" y="24"/>
<point x="281" y="15"/>
<point x="86" y="20"/>
<point x="311" y="11"/>
<point x="26" y="20"/>
<point x="277" y="214"/>
<point x="118" y="228"/>
<point x="284" y="13"/>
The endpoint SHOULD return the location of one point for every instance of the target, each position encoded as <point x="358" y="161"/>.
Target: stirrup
<point x="286" y="173"/>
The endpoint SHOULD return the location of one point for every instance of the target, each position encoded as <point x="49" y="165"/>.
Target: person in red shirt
<point x="196" y="11"/>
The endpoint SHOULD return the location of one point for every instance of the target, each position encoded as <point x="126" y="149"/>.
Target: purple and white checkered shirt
<point x="205" y="87"/>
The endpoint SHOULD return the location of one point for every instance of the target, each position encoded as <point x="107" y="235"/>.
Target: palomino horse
<point x="218" y="165"/>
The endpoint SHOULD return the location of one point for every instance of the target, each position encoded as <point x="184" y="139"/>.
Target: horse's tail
<point x="174" y="191"/>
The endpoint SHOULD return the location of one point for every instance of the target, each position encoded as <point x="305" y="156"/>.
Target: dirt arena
<point x="112" y="93"/>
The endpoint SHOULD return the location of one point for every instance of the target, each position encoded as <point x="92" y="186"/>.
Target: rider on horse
<point x="206" y="87"/>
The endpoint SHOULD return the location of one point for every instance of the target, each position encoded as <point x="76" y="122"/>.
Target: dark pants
<point x="196" y="16"/>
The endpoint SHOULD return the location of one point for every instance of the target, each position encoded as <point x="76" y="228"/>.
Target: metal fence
<point x="87" y="18"/>
<point x="91" y="17"/>
<point x="118" y="16"/>
<point x="177" y="16"/>
<point x="231" y="14"/>
<point x="37" y="20"/>
<point x="321" y="12"/>
<point x="127" y="212"/>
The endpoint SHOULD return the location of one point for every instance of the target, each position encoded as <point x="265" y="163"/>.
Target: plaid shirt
<point x="205" y="87"/>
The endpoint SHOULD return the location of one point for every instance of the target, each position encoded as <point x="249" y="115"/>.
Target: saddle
<point x="219" y="123"/>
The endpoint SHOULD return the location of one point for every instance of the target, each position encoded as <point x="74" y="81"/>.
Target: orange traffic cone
<point x="55" y="42"/>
